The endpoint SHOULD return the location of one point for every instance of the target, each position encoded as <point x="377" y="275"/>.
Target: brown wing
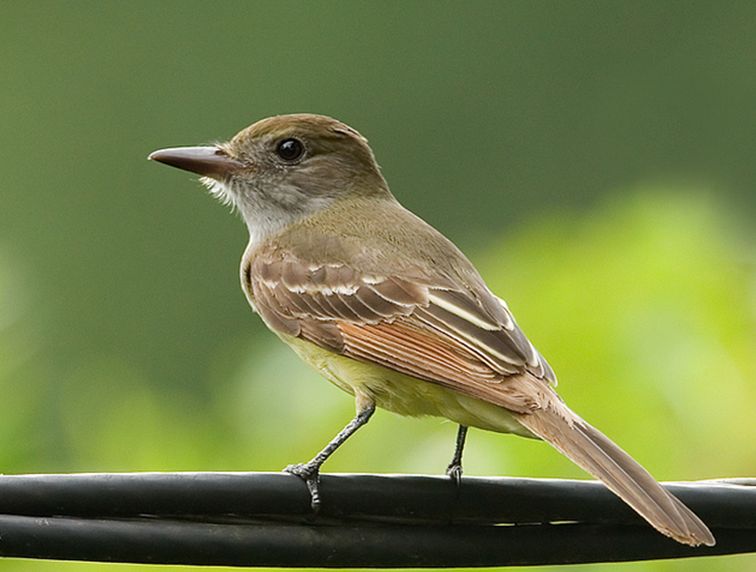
<point x="428" y="328"/>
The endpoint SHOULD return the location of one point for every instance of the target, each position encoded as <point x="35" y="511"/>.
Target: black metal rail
<point x="264" y="519"/>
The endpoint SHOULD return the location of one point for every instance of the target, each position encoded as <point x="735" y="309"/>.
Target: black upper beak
<point x="206" y="161"/>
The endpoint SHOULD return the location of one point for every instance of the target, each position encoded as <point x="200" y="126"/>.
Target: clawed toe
<point x="455" y="472"/>
<point x="311" y="476"/>
<point x="302" y="470"/>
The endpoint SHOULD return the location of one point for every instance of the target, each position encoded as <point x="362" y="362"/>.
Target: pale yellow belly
<point x="404" y="394"/>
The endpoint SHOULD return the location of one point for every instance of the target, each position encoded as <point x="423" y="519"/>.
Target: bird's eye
<point x="290" y="149"/>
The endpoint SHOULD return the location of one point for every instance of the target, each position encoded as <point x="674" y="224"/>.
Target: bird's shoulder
<point x="372" y="234"/>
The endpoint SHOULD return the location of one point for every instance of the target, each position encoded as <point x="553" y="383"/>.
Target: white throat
<point x="266" y="216"/>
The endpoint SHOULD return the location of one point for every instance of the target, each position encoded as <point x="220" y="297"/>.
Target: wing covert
<point x="428" y="328"/>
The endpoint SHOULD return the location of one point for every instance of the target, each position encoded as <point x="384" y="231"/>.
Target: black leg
<point x="310" y="472"/>
<point x="454" y="470"/>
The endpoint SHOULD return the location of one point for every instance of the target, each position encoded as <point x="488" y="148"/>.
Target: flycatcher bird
<point x="389" y="310"/>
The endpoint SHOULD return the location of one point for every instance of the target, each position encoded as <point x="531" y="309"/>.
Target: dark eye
<point x="290" y="149"/>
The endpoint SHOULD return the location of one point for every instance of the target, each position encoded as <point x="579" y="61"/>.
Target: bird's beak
<point x="211" y="162"/>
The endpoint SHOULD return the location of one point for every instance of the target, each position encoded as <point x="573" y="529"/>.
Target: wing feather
<point x="503" y="367"/>
<point x="427" y="328"/>
<point x="402" y="292"/>
<point x="495" y="342"/>
<point x="376" y="304"/>
<point x="342" y="309"/>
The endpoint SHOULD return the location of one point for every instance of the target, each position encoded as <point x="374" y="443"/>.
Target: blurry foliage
<point x="526" y="131"/>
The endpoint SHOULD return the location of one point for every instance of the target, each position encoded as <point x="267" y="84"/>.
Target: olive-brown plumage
<point x="389" y="309"/>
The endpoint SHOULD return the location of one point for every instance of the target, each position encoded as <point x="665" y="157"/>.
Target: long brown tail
<point x="590" y="449"/>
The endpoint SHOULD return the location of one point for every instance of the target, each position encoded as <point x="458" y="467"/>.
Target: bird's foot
<point x="310" y="474"/>
<point x="454" y="470"/>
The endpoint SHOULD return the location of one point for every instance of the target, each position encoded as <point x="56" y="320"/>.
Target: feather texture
<point x="288" y="290"/>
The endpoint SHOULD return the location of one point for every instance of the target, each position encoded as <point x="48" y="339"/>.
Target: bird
<point x="389" y="310"/>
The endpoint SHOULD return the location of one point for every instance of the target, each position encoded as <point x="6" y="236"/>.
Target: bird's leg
<point x="310" y="472"/>
<point x="454" y="470"/>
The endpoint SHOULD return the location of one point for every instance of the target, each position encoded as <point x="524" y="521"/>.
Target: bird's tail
<point x="590" y="449"/>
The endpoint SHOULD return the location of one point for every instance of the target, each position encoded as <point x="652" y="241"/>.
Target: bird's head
<point x="284" y="167"/>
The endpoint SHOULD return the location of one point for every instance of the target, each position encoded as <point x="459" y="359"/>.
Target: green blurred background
<point x="595" y="159"/>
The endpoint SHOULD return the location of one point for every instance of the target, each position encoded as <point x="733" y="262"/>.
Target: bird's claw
<point x="455" y="472"/>
<point x="311" y="476"/>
